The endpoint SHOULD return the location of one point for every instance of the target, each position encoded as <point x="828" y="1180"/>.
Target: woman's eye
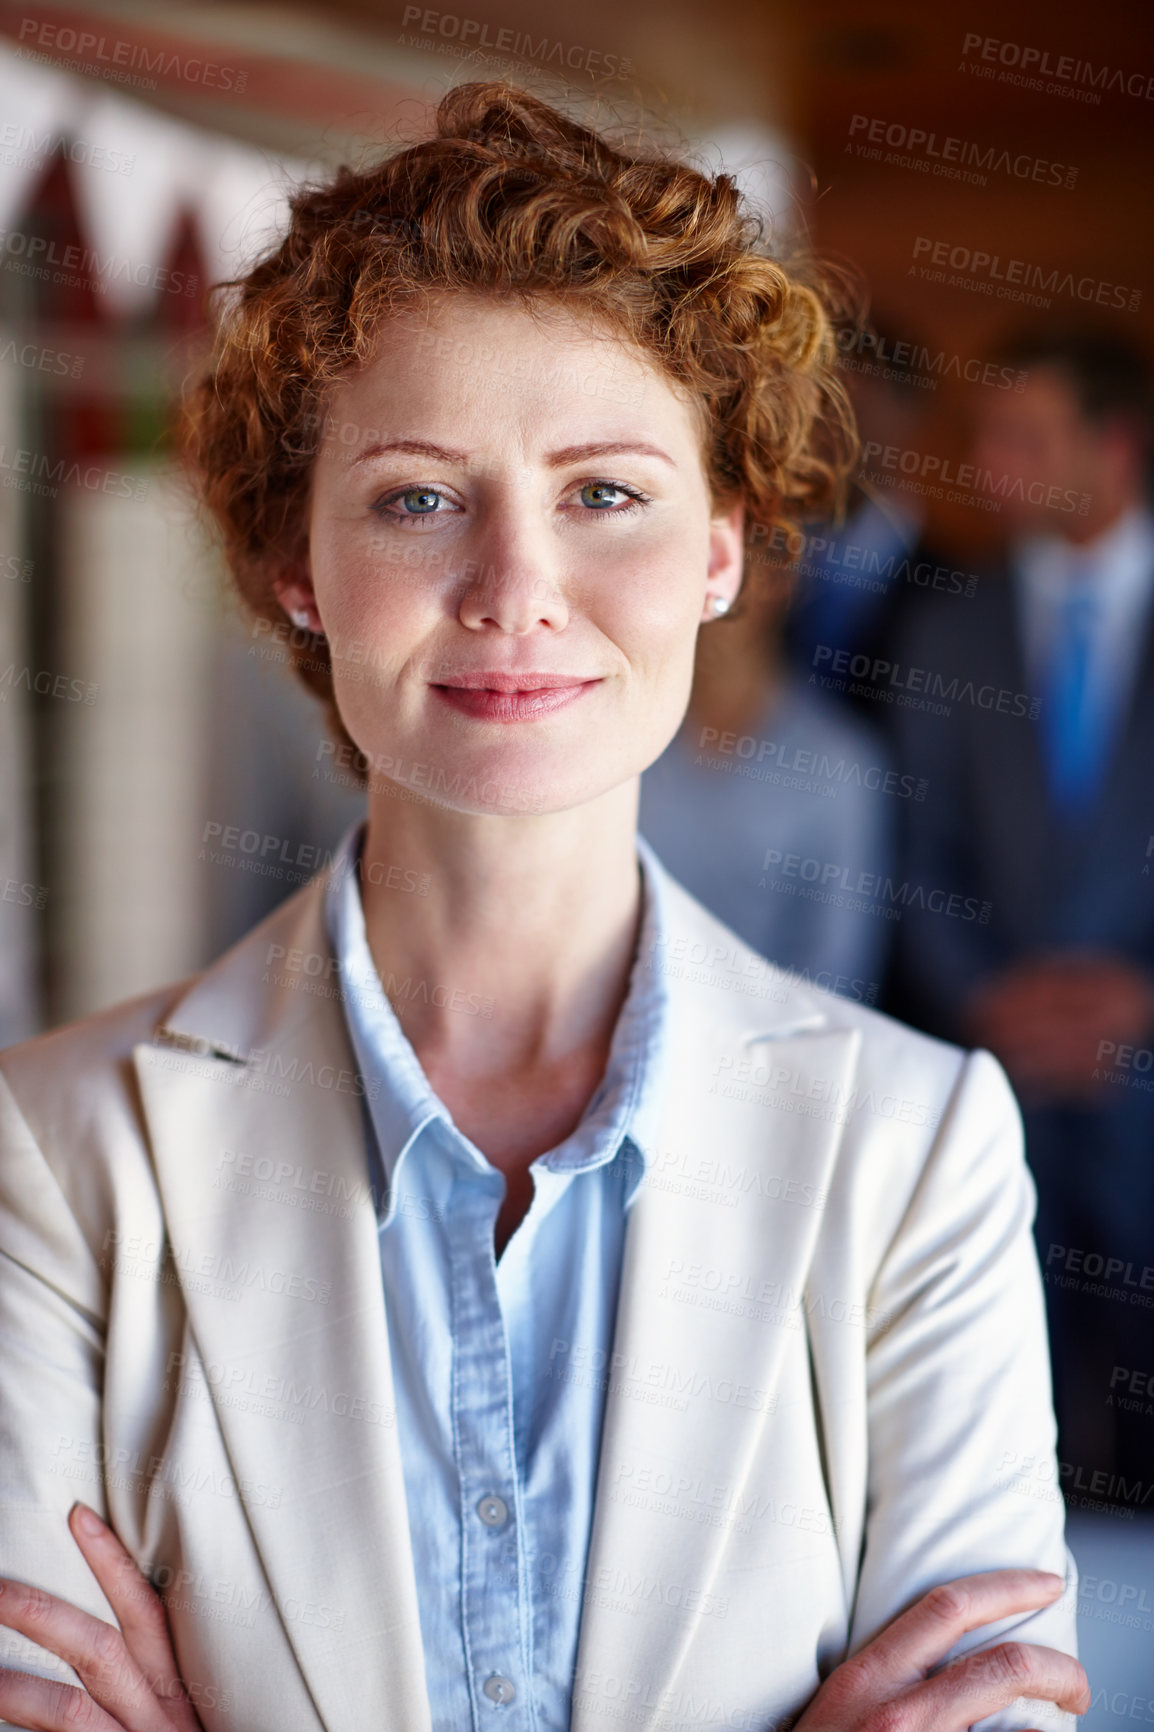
<point x="413" y="505"/>
<point x="611" y="498"/>
<point x="600" y="495"/>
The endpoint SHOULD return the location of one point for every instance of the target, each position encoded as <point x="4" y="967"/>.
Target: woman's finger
<point x="923" y="1635"/>
<point x="95" y="1650"/>
<point x="42" y="1705"/>
<point x="979" y="1684"/>
<point x="138" y="1607"/>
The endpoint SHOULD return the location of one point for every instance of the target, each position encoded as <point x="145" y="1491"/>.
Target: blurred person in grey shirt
<point x="776" y="807"/>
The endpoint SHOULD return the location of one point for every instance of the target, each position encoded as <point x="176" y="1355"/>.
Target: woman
<point x="626" y="1339"/>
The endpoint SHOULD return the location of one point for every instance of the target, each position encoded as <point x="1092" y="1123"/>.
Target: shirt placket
<point x="495" y="1614"/>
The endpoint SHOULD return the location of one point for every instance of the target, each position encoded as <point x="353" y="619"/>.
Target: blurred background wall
<point x="162" y="783"/>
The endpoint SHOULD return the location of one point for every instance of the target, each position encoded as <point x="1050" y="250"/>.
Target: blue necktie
<point x="1074" y="726"/>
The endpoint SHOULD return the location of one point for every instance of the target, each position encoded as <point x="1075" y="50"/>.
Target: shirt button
<point x="493" y="1511"/>
<point x="499" y="1689"/>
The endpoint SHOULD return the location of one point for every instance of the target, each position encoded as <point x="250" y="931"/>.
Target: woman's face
<point x="511" y="549"/>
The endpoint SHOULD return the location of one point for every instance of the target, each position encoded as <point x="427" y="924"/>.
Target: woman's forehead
<point x="475" y="332"/>
<point x="479" y="364"/>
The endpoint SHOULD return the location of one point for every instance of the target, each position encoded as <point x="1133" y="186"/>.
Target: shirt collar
<point x="1121" y="559"/>
<point x="627" y="1102"/>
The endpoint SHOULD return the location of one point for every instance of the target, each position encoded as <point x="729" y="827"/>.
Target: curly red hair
<point x="510" y="195"/>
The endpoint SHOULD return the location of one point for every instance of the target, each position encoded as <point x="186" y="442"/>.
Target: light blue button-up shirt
<point x="500" y="1368"/>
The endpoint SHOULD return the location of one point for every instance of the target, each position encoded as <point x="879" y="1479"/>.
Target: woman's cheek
<point x="367" y="594"/>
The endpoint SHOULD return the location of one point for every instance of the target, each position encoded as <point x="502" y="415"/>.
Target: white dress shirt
<point x="1121" y="564"/>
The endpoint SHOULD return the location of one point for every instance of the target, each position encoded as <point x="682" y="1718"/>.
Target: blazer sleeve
<point x="51" y="1377"/>
<point x="963" y="1476"/>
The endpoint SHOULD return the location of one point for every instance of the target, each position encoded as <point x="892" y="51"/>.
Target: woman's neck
<point x="517" y="951"/>
<point x="509" y="969"/>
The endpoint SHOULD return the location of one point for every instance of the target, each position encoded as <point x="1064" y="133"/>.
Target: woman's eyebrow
<point x="414" y="447"/>
<point x="555" y="459"/>
<point x="607" y="448"/>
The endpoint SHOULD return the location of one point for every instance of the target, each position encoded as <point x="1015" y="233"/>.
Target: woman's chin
<point x="504" y="783"/>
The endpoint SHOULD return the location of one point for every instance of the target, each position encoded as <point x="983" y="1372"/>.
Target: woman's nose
<point x="512" y="586"/>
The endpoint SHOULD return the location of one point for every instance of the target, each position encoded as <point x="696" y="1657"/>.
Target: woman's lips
<point x="512" y="697"/>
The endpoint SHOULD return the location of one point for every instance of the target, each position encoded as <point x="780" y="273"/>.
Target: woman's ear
<point x="293" y="588"/>
<point x="726" y="561"/>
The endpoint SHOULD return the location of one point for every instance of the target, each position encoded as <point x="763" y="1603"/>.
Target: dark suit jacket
<point x="986" y="828"/>
<point x="1019" y="881"/>
<point x="991" y="875"/>
<point x="918" y="572"/>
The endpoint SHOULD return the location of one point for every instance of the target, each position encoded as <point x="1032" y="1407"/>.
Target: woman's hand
<point x="885" y="1687"/>
<point x="131" y="1683"/>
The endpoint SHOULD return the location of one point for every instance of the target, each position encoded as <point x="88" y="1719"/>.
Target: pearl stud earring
<point x="718" y="605"/>
<point x="299" y="617"/>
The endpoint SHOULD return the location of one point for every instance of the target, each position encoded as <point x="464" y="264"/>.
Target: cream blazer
<point x="829" y="1388"/>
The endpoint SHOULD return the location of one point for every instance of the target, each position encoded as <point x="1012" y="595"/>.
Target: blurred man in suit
<point x="856" y="581"/>
<point x="1034" y="727"/>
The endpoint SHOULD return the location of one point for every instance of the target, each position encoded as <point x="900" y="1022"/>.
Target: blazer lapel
<point x="257" y="1125"/>
<point x="713" y="1290"/>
